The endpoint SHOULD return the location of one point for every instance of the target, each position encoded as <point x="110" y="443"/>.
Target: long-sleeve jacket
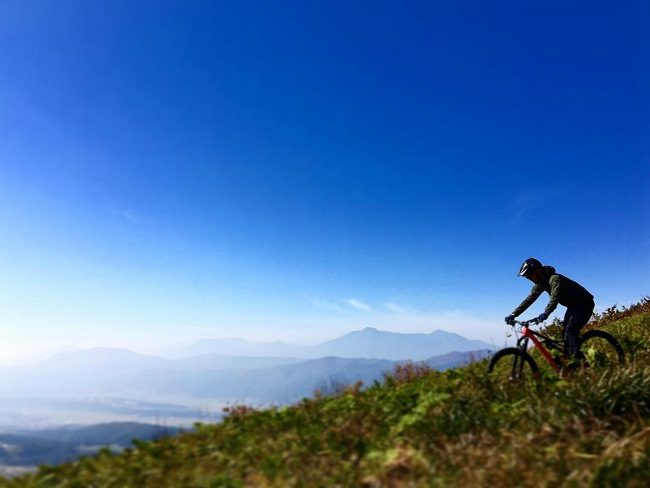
<point x="562" y="290"/>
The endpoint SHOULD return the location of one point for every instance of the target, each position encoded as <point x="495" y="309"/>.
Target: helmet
<point x="529" y="266"/>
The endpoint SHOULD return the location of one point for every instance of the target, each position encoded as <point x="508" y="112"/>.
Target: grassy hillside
<point x="419" y="427"/>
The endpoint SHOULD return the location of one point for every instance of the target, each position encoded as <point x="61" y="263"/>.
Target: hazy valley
<point x="45" y="407"/>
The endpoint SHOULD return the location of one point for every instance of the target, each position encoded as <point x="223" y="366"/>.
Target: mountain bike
<point x="596" y="348"/>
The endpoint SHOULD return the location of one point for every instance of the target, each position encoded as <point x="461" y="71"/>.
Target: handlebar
<point x="525" y="323"/>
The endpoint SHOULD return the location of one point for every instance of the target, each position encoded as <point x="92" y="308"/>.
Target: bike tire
<point x="601" y="349"/>
<point x="510" y="363"/>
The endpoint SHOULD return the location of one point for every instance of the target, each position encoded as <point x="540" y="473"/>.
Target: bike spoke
<point x="513" y="365"/>
<point x="600" y="351"/>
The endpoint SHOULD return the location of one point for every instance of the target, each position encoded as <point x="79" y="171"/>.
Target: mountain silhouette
<point x="369" y="343"/>
<point x="373" y="343"/>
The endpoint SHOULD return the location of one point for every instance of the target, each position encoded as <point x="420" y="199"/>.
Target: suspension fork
<point x="518" y="363"/>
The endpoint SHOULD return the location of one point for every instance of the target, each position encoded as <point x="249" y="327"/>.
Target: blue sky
<point x="296" y="170"/>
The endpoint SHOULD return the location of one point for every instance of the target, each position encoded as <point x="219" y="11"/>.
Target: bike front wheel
<point x="601" y="350"/>
<point x="512" y="364"/>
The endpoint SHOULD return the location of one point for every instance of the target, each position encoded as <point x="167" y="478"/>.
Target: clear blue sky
<point x="295" y="170"/>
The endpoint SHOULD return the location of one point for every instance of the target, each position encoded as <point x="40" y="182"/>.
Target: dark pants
<point x="574" y="320"/>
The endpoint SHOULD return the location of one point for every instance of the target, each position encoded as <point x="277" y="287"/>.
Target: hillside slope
<point x="452" y="428"/>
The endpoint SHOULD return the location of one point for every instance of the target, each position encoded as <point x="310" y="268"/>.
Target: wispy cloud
<point x="324" y="304"/>
<point x="526" y="204"/>
<point x="123" y="214"/>
<point x="128" y="215"/>
<point x="393" y="307"/>
<point x="359" y="305"/>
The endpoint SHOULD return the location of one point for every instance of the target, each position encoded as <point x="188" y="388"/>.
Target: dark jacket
<point x="563" y="290"/>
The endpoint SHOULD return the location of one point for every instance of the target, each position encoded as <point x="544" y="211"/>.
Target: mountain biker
<point x="578" y="301"/>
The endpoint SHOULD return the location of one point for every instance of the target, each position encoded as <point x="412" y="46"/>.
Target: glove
<point x="510" y="319"/>
<point x="542" y="317"/>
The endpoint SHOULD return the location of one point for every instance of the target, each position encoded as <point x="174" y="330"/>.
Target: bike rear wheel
<point x="601" y="350"/>
<point x="512" y="364"/>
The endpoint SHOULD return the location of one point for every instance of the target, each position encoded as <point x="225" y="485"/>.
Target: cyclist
<point x="578" y="301"/>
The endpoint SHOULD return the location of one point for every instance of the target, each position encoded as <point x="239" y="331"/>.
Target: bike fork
<point x="515" y="374"/>
<point x="518" y="363"/>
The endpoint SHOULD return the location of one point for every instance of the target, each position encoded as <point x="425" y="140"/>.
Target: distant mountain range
<point x="213" y="373"/>
<point x="368" y="343"/>
<point x="174" y="382"/>
<point x="272" y="385"/>
<point x="102" y="384"/>
<point x="281" y="384"/>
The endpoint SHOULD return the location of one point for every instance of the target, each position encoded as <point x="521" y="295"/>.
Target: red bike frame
<point x="528" y="333"/>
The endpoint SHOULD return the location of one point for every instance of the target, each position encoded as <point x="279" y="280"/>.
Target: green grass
<point x="417" y="428"/>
